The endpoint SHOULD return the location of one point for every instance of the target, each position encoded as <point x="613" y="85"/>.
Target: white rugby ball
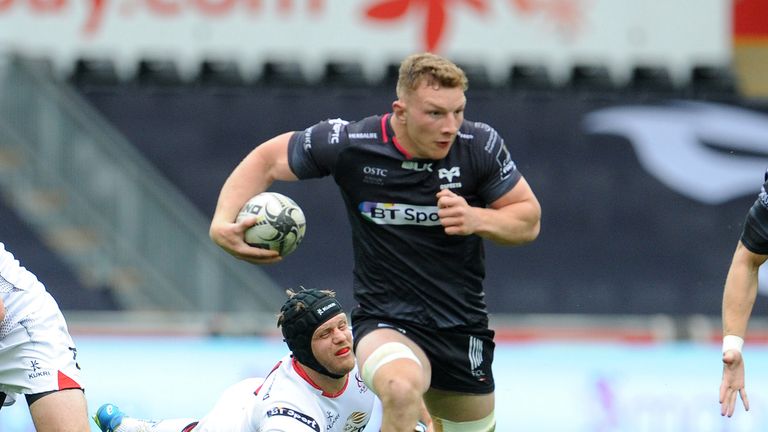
<point x="280" y="222"/>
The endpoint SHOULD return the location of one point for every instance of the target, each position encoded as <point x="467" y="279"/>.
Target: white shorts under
<point x="37" y="353"/>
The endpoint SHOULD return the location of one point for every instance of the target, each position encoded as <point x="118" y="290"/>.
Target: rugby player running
<point x="423" y="187"/>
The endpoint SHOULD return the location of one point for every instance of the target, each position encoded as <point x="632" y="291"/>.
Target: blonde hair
<point x="430" y="69"/>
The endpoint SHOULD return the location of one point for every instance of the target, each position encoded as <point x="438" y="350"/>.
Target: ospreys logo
<point x="449" y="174"/>
<point x="710" y="153"/>
<point x="707" y="152"/>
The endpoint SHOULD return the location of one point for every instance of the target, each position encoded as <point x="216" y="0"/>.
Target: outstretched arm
<point x="513" y="219"/>
<point x="738" y="298"/>
<point x="2" y="310"/>
<point x="262" y="166"/>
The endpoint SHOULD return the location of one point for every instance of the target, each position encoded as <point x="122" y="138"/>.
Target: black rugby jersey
<point x="754" y="236"/>
<point x="406" y="267"/>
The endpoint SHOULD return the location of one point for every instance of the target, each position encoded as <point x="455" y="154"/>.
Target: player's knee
<point x="399" y="392"/>
<point x="487" y="424"/>
<point x="394" y="384"/>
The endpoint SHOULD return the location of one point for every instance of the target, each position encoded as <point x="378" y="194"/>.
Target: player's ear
<point x="398" y="108"/>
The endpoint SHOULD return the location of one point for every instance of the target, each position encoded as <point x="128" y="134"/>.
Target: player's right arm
<point x="2" y="309"/>
<point x="740" y="290"/>
<point x="254" y="174"/>
<point x="739" y="296"/>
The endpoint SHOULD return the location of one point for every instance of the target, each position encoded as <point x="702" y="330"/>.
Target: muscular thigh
<point x="370" y="341"/>
<point x="459" y="407"/>
<point x="64" y="410"/>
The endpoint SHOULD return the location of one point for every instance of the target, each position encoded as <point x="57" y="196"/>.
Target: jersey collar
<point x="387" y="133"/>
<point x="303" y="374"/>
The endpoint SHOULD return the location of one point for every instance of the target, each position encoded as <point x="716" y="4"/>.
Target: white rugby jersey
<point x="289" y="401"/>
<point x="37" y="354"/>
<point x="14" y="277"/>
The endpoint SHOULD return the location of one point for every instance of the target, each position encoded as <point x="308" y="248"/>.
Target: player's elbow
<point x="532" y="233"/>
<point x="533" y="226"/>
<point x="524" y="233"/>
<point x="527" y="235"/>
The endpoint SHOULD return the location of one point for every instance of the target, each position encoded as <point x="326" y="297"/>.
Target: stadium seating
<point x="478" y="76"/>
<point x="712" y="82"/>
<point x="282" y="74"/>
<point x="37" y="256"/>
<point x="156" y="72"/>
<point x="650" y="80"/>
<point x="94" y="72"/>
<point x="390" y="75"/>
<point x="344" y="73"/>
<point x="529" y="78"/>
<point x="220" y="73"/>
<point x="589" y="77"/>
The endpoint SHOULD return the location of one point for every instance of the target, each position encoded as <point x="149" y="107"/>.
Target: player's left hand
<point x="733" y="383"/>
<point x="456" y="215"/>
<point x="230" y="236"/>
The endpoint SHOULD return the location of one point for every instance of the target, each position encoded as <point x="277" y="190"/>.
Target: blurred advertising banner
<point x="643" y="199"/>
<point x="750" y="45"/>
<point x="496" y="32"/>
<point x="540" y="386"/>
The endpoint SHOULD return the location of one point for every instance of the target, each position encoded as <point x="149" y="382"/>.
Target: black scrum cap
<point x="299" y="323"/>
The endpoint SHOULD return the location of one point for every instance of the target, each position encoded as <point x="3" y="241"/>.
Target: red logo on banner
<point x="566" y="14"/>
<point x="435" y="14"/>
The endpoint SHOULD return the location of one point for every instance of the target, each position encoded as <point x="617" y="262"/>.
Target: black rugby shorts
<point x="461" y="358"/>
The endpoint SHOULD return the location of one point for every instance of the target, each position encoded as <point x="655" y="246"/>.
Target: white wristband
<point x="732" y="342"/>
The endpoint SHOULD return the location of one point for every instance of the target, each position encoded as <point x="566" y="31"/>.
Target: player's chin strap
<point x="487" y="424"/>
